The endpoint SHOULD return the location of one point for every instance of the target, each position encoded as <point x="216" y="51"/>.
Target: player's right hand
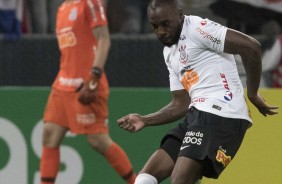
<point x="262" y="106"/>
<point x="131" y="122"/>
<point x="88" y="91"/>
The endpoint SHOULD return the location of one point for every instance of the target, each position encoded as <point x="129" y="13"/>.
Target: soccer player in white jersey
<point x="206" y="88"/>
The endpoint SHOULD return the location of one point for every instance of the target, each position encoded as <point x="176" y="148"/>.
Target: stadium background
<point x="139" y="83"/>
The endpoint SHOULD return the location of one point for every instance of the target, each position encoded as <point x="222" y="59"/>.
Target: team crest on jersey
<point x="183" y="55"/>
<point x="73" y="14"/>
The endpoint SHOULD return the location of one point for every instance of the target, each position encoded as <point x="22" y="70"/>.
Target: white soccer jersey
<point x="197" y="63"/>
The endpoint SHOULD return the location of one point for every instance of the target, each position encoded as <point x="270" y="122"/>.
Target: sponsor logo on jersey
<point x="216" y="107"/>
<point x="207" y="35"/>
<point x="70" y="82"/>
<point x="203" y="22"/>
<point x="198" y="100"/>
<point x="184" y="69"/>
<point x="189" y="78"/>
<point x="183" y="55"/>
<point x="192" y="137"/>
<point x="228" y="94"/>
<point x="66" y="39"/>
<point x="221" y="157"/>
<point x="73" y="14"/>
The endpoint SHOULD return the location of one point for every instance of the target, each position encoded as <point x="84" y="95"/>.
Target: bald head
<point x="153" y="4"/>
<point x="166" y="18"/>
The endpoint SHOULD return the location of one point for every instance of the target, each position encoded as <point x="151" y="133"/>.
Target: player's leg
<point x="157" y="168"/>
<point x="114" y="154"/>
<point x="161" y="163"/>
<point x="186" y="171"/>
<point x="98" y="137"/>
<point x="52" y="137"/>
<point x="50" y="158"/>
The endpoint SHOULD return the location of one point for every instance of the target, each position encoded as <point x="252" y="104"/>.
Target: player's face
<point x="167" y="22"/>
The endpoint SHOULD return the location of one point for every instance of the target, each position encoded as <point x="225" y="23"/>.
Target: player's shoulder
<point x="195" y="21"/>
<point x="191" y="22"/>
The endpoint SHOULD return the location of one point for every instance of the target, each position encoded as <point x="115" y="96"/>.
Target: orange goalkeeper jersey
<point x="75" y="22"/>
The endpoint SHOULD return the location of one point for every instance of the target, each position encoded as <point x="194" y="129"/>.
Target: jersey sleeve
<point x="208" y="34"/>
<point x="174" y="81"/>
<point x="95" y="12"/>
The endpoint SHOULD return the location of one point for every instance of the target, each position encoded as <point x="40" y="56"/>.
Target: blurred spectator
<point x="271" y="51"/>
<point x="43" y="15"/>
<point x="11" y="14"/>
<point x="136" y="13"/>
<point x="201" y="8"/>
<point x="128" y="16"/>
<point x="277" y="72"/>
<point x="115" y="14"/>
<point x="38" y="15"/>
<point x="271" y="46"/>
<point x="248" y="15"/>
<point x="52" y="7"/>
<point x="241" y="70"/>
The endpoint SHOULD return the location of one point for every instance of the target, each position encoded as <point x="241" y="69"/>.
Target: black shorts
<point x="211" y="139"/>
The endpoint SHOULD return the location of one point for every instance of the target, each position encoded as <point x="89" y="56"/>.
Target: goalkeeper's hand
<point x="88" y="90"/>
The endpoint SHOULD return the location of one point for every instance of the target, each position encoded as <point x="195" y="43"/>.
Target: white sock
<point x="145" y="178"/>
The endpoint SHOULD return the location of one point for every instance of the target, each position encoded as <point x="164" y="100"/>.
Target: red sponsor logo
<point x="198" y="100"/>
<point x="203" y="22"/>
<point x="224" y="80"/>
<point x="223" y="158"/>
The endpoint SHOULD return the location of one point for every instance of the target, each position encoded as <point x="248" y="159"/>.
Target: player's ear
<point x="181" y="15"/>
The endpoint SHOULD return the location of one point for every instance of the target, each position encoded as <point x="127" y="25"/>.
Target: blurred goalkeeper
<point x="79" y="95"/>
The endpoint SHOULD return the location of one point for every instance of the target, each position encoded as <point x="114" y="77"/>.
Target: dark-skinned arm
<point x="173" y="111"/>
<point x="250" y="51"/>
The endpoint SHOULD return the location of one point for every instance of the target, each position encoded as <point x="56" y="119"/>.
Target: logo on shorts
<point x="183" y="147"/>
<point x="86" y="118"/>
<point x="222" y="157"/>
<point x="192" y="137"/>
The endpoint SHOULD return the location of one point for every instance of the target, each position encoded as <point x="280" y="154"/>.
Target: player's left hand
<point x="131" y="122"/>
<point x="262" y="106"/>
<point x="88" y="91"/>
